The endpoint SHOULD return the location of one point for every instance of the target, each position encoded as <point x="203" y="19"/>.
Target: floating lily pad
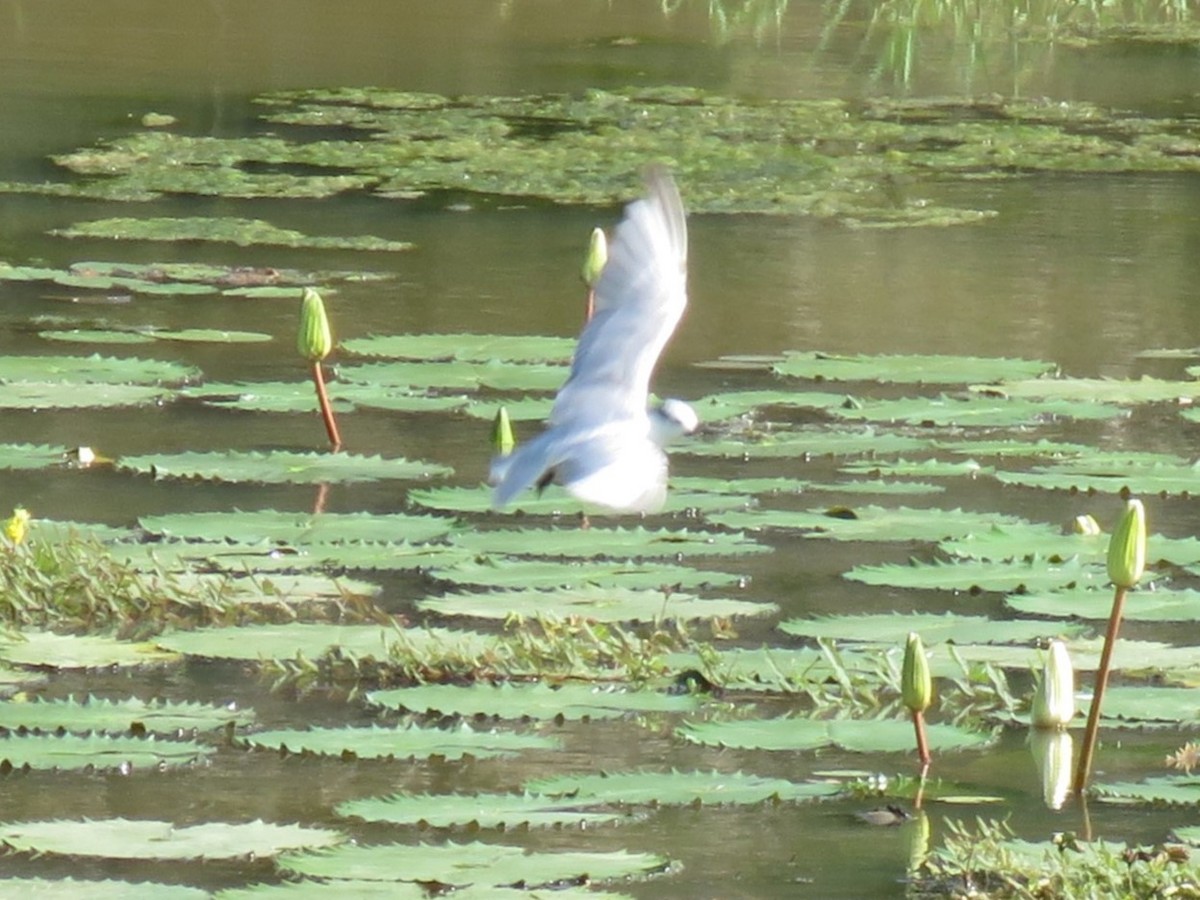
<point x="926" y="468"/>
<point x="557" y="502"/>
<point x="804" y="443"/>
<point x="457" y="375"/>
<point x="150" y="839"/>
<point x="982" y="575"/>
<point x="401" y="743"/>
<point x="280" y="467"/>
<point x="974" y="410"/>
<point x="312" y="640"/>
<point x="460" y="864"/>
<point x="96" y="751"/>
<point x="523" y="409"/>
<point x="511" y="573"/>
<point x="64" y="395"/>
<point x="1146" y="703"/>
<point x="891" y="628"/>
<point x="229" y="230"/>
<point x="869" y="523"/>
<point x="1159" y="605"/>
<point x="94" y="714"/>
<point x="478" y="810"/>
<point x="718" y="407"/>
<point x="31" y="456"/>
<point x="109" y="889"/>
<point x="212" y="336"/>
<point x="1098" y="390"/>
<point x="96" y="336"/>
<point x="593" y="603"/>
<point x="69" y="651"/>
<point x="78" y="370"/>
<point x="674" y="788"/>
<point x="533" y="701"/>
<point x="874" y="736"/>
<point x="296" y="528"/>
<point x="1015" y="540"/>
<point x="308" y="889"/>
<point x="1169" y="789"/>
<point x="618" y="543"/>
<point x="908" y="369"/>
<point x="287" y="561"/>
<point x="469" y="347"/>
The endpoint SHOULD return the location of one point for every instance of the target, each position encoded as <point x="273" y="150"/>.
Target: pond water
<point x="1084" y="271"/>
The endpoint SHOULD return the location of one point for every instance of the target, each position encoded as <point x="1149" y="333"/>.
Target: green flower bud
<point x="503" y="440"/>
<point x="916" y="686"/>
<point x="314" y="340"/>
<point x="1054" y="698"/>
<point x="1085" y="524"/>
<point x="597" y="256"/>
<point x="1127" y="547"/>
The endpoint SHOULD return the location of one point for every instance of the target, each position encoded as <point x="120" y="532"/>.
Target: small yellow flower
<point x="314" y="340"/>
<point x="17" y="525"/>
<point x="1127" y="546"/>
<point x="916" y="685"/>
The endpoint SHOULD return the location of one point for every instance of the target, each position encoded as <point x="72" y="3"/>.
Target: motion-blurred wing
<point x="640" y="297"/>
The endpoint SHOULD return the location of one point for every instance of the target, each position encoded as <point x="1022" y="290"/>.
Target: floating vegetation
<point x="97" y="752"/>
<point x="280" y="467"/>
<point x="908" y="369"/>
<point x="531" y="701"/>
<point x="242" y="232"/>
<point x="596" y="604"/>
<point x="400" y="743"/>
<point x="869" y="736"/>
<point x="94" y="714"/>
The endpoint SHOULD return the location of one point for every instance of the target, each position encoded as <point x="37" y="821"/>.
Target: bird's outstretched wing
<point x="640" y="297"/>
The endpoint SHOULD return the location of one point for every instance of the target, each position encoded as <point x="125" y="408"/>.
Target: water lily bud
<point x="1054" y="699"/>
<point x="1127" y="547"/>
<point x="314" y="341"/>
<point x="503" y="440"/>
<point x="17" y="525"/>
<point x="1052" y="752"/>
<point x="1085" y="524"/>
<point x="597" y="256"/>
<point x="916" y="685"/>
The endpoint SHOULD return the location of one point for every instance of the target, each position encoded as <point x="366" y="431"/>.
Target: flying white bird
<point x="601" y="442"/>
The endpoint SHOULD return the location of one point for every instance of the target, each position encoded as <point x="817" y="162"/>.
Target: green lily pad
<point x="1159" y="605"/>
<point x="96" y="336"/>
<point x="718" y="407"/>
<point x="94" y="714"/>
<point x="804" y="443"/>
<point x="512" y="573"/>
<point x="31" y="456"/>
<point x="613" y="543"/>
<point x="70" y="651"/>
<point x="869" y="523"/>
<point x="150" y="839"/>
<point x="1016" y="540"/>
<point x="926" y="468"/>
<point x="522" y="409"/>
<point x="533" y="701"/>
<point x="249" y="527"/>
<point x="1098" y="390"/>
<point x="596" y="604"/>
<point x="981" y="575"/>
<point x="313" y="640"/>
<point x="65" y="395"/>
<point x="469" y="347"/>
<point x="557" y="502"/>
<point x="460" y="864"/>
<point x="908" y="369"/>
<point x="96" y="751"/>
<point x="457" y="375"/>
<point x="78" y="370"/>
<point x="280" y="467"/>
<point x="401" y="743"/>
<point x="1174" y="790"/>
<point x="972" y="411"/>
<point x="695" y="788"/>
<point x="478" y="810"/>
<point x="109" y="889"/>
<point x="1146" y="703"/>
<point x="230" y="230"/>
<point x="212" y="336"/>
<point x="934" y="628"/>
<point x="874" y="736"/>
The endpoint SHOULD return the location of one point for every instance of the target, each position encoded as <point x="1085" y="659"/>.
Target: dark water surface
<point x="1081" y="271"/>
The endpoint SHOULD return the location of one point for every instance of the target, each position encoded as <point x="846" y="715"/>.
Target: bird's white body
<point x="601" y="442"/>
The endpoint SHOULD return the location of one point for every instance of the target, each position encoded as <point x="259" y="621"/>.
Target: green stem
<point x="918" y="718"/>
<point x="335" y="439"/>
<point x="1083" y="770"/>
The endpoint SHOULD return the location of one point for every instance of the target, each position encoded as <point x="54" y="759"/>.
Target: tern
<point x="603" y="442"/>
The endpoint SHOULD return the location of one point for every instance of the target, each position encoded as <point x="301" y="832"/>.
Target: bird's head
<point x="672" y="419"/>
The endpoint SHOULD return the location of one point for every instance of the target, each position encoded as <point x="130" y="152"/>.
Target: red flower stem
<point x="335" y="439"/>
<point x="590" y="307"/>
<point x="1084" y="768"/>
<point x="918" y="718"/>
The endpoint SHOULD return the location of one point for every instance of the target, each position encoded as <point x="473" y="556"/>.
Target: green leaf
<point x="519" y="348"/>
<point x="401" y="743"/>
<point x="1146" y="703"/>
<point x="211" y="336"/>
<point x="533" y="701"/>
<point x="476" y="864"/>
<point x="478" y="810"/>
<point x="311" y="641"/>
<point x="556" y="502"/>
<point x="96" y="751"/>
<point x="241" y="232"/>
<point x="972" y="410"/>
<point x="695" y="788"/>
<point x="804" y="443"/>
<point x="1158" y="605"/>
<point x="976" y="575"/>
<point x="870" y="523"/>
<point x="67" y="395"/>
<point x="70" y="889"/>
<point x="511" y="573"/>
<point x="30" y="456"/>
<point x="911" y="369"/>
<point x="873" y="736"/>
<point x="934" y="628"/>
<point x="1017" y="540"/>
<point x="68" y="651"/>
<point x="1126" y="392"/>
<point x="1169" y="789"/>
<point x="94" y="370"/>
<point x="926" y="468"/>
<point x="150" y="839"/>
<point x="280" y="467"/>
<point x="593" y="603"/>
<point x="613" y="543"/>
<point x="95" y="714"/>
<point x="718" y="407"/>
<point x="96" y="336"/>
<point x="458" y="375"/>
<point x="253" y="526"/>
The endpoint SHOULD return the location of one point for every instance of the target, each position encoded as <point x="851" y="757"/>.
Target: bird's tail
<point x="523" y="468"/>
